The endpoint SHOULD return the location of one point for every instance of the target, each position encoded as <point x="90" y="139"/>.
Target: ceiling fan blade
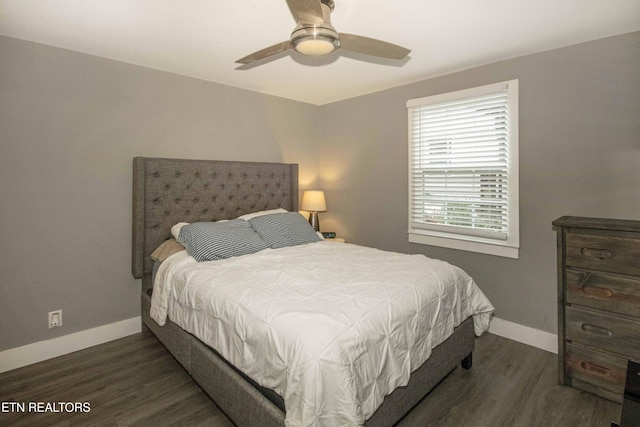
<point x="372" y="47"/>
<point x="265" y="53"/>
<point x="306" y="11"/>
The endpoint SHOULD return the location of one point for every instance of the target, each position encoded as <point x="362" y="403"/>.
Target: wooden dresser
<point x="598" y="303"/>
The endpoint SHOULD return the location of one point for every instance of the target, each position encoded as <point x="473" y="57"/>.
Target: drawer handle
<point x="596" y="330"/>
<point x="597" y="369"/>
<point x="596" y="253"/>
<point x="596" y="291"/>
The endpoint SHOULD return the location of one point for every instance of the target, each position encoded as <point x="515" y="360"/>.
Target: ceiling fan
<point x="315" y="36"/>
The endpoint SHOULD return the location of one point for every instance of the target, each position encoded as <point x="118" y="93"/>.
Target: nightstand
<point x="334" y="239"/>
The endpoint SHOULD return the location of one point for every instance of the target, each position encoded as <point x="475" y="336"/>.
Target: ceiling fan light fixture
<point x="315" y="41"/>
<point x="314" y="36"/>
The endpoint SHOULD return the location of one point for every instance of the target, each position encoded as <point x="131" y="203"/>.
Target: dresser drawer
<point x="604" y="253"/>
<point x="599" y="369"/>
<point x="606" y="292"/>
<point x="596" y="329"/>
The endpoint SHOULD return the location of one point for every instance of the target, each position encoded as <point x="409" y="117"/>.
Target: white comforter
<point x="332" y="328"/>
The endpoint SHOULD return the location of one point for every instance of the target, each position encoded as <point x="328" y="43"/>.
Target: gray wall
<point x="579" y="155"/>
<point x="70" y="125"/>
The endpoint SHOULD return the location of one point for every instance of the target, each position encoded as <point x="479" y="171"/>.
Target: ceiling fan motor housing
<point x="316" y="40"/>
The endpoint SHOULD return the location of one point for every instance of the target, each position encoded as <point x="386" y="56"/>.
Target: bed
<point x="169" y="191"/>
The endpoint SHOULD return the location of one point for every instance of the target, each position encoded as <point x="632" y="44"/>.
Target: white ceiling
<point x="203" y="38"/>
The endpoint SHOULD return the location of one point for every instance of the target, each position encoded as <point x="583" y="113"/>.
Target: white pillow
<point x="175" y="230"/>
<point x="248" y="216"/>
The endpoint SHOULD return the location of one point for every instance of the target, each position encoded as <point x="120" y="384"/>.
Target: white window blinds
<point x="461" y="162"/>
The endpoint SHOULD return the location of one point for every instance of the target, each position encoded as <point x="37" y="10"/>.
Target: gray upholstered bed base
<point x="168" y="191"/>
<point x="248" y="404"/>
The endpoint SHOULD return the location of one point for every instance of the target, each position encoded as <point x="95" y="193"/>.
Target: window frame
<point x="449" y="237"/>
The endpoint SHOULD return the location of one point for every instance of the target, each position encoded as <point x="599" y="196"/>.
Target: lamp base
<point x="314" y="221"/>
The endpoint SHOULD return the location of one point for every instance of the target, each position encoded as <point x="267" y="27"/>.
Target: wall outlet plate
<point x="55" y="319"/>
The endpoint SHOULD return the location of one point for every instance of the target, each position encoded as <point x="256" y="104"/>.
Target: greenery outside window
<point x="463" y="170"/>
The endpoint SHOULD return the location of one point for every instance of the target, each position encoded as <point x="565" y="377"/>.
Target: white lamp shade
<point x="313" y="201"/>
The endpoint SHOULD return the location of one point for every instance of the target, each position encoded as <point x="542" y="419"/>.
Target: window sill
<point x="488" y="248"/>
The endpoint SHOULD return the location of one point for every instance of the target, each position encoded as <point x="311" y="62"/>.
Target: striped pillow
<point x="206" y="241"/>
<point x="284" y="229"/>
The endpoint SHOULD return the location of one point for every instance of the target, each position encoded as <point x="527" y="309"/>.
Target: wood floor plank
<point x="126" y="382"/>
<point x="135" y="381"/>
<point x="510" y="384"/>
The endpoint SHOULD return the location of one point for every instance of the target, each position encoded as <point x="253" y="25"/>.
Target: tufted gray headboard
<point x="168" y="191"/>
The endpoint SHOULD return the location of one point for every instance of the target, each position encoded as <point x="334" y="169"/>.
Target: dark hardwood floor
<point x="135" y="381"/>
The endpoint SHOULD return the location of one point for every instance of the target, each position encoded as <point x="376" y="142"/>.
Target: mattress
<point x="332" y="328"/>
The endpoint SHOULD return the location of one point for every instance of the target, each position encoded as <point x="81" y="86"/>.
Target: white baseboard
<point x="37" y="352"/>
<point x="524" y="334"/>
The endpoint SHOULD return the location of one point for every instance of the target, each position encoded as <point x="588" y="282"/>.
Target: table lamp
<point x="313" y="202"/>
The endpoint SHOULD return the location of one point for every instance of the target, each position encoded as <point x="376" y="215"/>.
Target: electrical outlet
<point x="55" y="319"/>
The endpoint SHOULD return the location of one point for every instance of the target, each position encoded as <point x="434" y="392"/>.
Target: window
<point x="463" y="170"/>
